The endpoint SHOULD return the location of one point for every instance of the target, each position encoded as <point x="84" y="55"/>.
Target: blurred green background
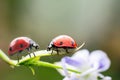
<point x="97" y="22"/>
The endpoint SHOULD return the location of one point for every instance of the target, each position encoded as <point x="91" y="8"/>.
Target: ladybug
<point x="62" y="42"/>
<point x="20" y="44"/>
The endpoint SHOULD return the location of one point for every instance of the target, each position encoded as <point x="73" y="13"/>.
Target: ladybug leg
<point x="32" y="51"/>
<point x="34" y="54"/>
<point x="66" y="49"/>
<point x="36" y="46"/>
<point x="28" y="49"/>
<point x="57" y="51"/>
<point x="29" y="55"/>
<point x="51" y="52"/>
<point x="18" y="57"/>
<point x="48" y="49"/>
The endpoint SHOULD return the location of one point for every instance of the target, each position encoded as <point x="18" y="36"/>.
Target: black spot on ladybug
<point x="72" y="43"/>
<point x="10" y="48"/>
<point x="21" y="45"/>
<point x="61" y="43"/>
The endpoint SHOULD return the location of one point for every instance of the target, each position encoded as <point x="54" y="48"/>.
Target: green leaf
<point x="33" y="71"/>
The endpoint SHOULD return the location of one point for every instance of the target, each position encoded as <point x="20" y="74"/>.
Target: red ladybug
<point x="21" y="43"/>
<point x="62" y="42"/>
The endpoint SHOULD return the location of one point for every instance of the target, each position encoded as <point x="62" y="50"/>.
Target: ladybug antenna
<point x="80" y="46"/>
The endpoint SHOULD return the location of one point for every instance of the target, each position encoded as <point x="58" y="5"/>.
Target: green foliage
<point x="33" y="61"/>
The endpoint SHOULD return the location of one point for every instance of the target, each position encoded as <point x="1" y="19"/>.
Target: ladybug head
<point x="50" y="46"/>
<point x="36" y="46"/>
<point x="33" y="44"/>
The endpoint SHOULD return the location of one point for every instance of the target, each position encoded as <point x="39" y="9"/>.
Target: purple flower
<point x="89" y="64"/>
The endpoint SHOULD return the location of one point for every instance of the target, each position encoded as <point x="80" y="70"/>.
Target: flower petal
<point x="71" y="61"/>
<point x="65" y="65"/>
<point x="107" y="78"/>
<point x="72" y="77"/>
<point x="99" y="60"/>
<point x="83" y="57"/>
<point x="63" y="61"/>
<point x="60" y="70"/>
<point x="90" y="65"/>
<point x="104" y="77"/>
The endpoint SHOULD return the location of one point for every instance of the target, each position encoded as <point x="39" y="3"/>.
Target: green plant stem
<point x="33" y="61"/>
<point x="7" y="59"/>
<point x="46" y="64"/>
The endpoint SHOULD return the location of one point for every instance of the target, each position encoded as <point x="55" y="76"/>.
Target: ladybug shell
<point x="19" y="44"/>
<point x="64" y="41"/>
